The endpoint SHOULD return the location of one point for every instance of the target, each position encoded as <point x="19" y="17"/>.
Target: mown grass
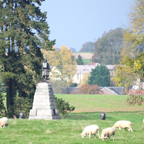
<point x="93" y="103"/>
<point x="68" y="129"/>
<point x="86" y="61"/>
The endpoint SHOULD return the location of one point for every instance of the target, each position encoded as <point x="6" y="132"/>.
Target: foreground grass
<point x="93" y="103"/>
<point x="68" y="129"/>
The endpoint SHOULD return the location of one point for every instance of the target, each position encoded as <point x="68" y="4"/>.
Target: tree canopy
<point x="132" y="55"/>
<point x="108" y="48"/>
<point x="23" y="29"/>
<point x="99" y="76"/>
<point x="63" y="63"/>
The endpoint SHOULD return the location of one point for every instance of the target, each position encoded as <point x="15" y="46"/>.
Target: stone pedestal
<point x="44" y="103"/>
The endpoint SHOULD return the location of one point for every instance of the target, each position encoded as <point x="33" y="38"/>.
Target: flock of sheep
<point x="108" y="132"/>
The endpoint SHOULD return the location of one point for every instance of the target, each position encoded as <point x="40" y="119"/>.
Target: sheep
<point x="90" y="130"/>
<point x="6" y="120"/>
<point x="2" y="123"/>
<point x="108" y="132"/>
<point x="143" y="120"/>
<point x="123" y="124"/>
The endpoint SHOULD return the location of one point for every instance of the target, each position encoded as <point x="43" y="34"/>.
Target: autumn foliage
<point x="87" y="89"/>
<point x="135" y="99"/>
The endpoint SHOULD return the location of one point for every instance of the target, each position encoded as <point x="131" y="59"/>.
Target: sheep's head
<point x="102" y="137"/>
<point x="83" y="135"/>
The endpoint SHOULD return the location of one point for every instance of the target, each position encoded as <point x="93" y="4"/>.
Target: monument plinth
<point x="44" y="103"/>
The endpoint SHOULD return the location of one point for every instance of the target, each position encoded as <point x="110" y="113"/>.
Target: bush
<point x="135" y="99"/>
<point x="63" y="106"/>
<point x="20" y="105"/>
<point x="89" y="89"/>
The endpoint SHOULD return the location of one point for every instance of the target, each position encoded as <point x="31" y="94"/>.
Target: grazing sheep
<point x="108" y="132"/>
<point x="143" y="120"/>
<point x="90" y="130"/>
<point x="123" y="124"/>
<point x="6" y="120"/>
<point x="2" y="123"/>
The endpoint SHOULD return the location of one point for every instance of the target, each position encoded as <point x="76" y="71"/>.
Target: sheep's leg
<point x="113" y="137"/>
<point x="89" y="135"/>
<point x="95" y="135"/>
<point x="130" y="129"/>
<point x="119" y="128"/>
<point x="98" y="134"/>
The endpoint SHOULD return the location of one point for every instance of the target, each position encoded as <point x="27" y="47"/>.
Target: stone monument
<point x="44" y="103"/>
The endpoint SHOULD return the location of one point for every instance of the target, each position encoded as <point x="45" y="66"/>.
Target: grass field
<point x="86" y="61"/>
<point x="94" y="103"/>
<point x="68" y="129"/>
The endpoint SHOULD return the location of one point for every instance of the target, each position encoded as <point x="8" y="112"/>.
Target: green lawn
<point x="68" y="129"/>
<point x="93" y="103"/>
<point x="86" y="61"/>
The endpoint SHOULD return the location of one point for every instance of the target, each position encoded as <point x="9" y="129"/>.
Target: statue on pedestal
<point x="45" y="70"/>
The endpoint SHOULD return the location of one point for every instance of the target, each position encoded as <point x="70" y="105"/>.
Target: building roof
<point x="110" y="67"/>
<point x="81" y="69"/>
<point x="88" y="68"/>
<point x="95" y="64"/>
<point x="117" y="90"/>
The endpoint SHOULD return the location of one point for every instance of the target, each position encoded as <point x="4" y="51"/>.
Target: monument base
<point x="44" y="103"/>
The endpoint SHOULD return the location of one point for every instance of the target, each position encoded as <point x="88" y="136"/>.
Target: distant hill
<point x="73" y="49"/>
<point x="87" y="47"/>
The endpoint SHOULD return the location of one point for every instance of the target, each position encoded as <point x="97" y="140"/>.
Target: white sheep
<point x="2" y="123"/>
<point x="143" y="120"/>
<point x="108" y="132"/>
<point x="123" y="124"/>
<point x="6" y="120"/>
<point x="90" y="130"/>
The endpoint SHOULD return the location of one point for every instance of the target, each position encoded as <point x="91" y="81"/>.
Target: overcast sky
<point x="74" y="22"/>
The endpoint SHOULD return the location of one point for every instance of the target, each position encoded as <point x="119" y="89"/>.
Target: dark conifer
<point x="23" y="28"/>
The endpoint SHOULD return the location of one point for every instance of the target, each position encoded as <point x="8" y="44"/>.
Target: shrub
<point x="135" y="99"/>
<point x="63" y="106"/>
<point x="20" y="105"/>
<point x="89" y="89"/>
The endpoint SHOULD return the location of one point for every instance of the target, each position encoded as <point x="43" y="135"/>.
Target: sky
<point x="75" y="22"/>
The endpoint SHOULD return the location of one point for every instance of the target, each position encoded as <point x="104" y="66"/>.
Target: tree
<point x="84" y="79"/>
<point x="79" y="60"/>
<point x="132" y="55"/>
<point x="87" y="47"/>
<point x="99" y="76"/>
<point x="23" y="28"/>
<point x="107" y="49"/>
<point x="64" y="66"/>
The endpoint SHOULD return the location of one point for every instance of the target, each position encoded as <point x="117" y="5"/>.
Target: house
<point x="112" y="90"/>
<point x="81" y="69"/>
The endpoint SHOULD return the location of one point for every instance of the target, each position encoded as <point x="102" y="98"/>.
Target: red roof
<point x="92" y="63"/>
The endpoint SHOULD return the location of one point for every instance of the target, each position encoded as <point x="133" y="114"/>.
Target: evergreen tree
<point x="23" y="28"/>
<point x="99" y="76"/>
<point x="79" y="60"/>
